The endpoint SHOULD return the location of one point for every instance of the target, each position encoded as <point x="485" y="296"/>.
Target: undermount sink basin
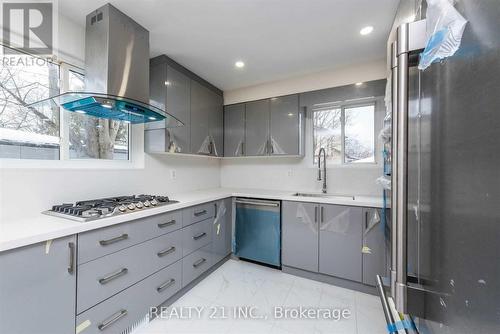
<point x="324" y="195"/>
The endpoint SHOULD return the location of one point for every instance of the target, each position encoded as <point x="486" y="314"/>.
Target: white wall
<point x="27" y="192"/>
<point x="297" y="174"/>
<point x="326" y="79"/>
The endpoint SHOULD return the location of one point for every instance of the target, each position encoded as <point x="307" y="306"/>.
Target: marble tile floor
<point x="241" y="297"/>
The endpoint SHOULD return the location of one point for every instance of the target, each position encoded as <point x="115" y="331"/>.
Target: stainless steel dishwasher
<point x="258" y="231"/>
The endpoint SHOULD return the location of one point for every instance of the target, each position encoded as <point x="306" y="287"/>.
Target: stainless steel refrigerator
<point x="446" y="178"/>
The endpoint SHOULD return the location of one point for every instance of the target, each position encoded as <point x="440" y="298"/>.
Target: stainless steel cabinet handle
<point x="199" y="262"/>
<point x="166" y="252"/>
<point x="366" y="220"/>
<point x="165" y="285"/>
<point x="113" y="240"/>
<point x="215" y="214"/>
<point x="71" y="266"/>
<point x="112" y="276"/>
<point x="200" y="213"/>
<point x="322" y="214"/>
<point x="242" y="148"/>
<point x="199" y="236"/>
<point x="111" y="320"/>
<point x="257" y="202"/>
<point x="169" y="223"/>
<point x="315" y="214"/>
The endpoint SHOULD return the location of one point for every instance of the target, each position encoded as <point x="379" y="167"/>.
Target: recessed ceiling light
<point x="80" y="111"/>
<point x="366" y="30"/>
<point x="239" y="64"/>
<point x="167" y="83"/>
<point x="152" y="118"/>
<point x="359" y="83"/>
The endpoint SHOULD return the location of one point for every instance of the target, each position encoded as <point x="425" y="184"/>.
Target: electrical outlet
<point x="289" y="173"/>
<point x="173" y="174"/>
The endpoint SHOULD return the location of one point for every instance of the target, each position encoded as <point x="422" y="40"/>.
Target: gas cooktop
<point x="84" y="211"/>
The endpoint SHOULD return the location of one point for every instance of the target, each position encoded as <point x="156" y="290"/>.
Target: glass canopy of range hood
<point x="108" y="107"/>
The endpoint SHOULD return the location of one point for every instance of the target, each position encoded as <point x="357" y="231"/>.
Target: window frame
<point x="343" y="106"/>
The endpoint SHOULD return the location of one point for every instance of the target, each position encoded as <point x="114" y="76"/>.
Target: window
<point x="48" y="132"/>
<point x="347" y="133"/>
<point x="28" y="133"/>
<point x="91" y="137"/>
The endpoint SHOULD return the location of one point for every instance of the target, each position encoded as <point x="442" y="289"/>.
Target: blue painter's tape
<point x="400" y="325"/>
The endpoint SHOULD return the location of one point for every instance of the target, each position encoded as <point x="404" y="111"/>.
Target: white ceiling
<point x="276" y="39"/>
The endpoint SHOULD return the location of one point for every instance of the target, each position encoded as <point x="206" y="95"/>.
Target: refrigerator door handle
<point x="402" y="167"/>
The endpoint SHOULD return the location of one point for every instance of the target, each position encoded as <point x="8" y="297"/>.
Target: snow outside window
<point x="347" y="133"/>
<point x="49" y="133"/>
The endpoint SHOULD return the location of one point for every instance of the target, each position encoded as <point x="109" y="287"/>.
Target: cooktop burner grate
<point x="106" y="207"/>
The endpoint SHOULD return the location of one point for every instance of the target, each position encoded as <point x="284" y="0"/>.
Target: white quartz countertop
<point x="29" y="230"/>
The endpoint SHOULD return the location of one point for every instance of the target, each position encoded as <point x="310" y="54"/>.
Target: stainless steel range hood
<point x="116" y="71"/>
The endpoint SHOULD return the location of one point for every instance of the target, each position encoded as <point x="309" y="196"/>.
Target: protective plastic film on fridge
<point x="446" y="268"/>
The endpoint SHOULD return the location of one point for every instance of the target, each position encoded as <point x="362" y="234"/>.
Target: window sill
<point x="71" y="164"/>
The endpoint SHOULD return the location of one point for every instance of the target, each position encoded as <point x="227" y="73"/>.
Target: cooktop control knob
<point x="147" y="203"/>
<point x="139" y="205"/>
<point x="154" y="202"/>
<point x="131" y="206"/>
<point x="122" y="208"/>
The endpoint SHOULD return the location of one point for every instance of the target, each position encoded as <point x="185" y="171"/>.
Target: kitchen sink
<point x="324" y="195"/>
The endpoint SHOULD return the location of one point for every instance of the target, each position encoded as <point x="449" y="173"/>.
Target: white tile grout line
<point x="356" y="312"/>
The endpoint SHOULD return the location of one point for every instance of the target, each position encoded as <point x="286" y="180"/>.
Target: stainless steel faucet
<point x="324" y="168"/>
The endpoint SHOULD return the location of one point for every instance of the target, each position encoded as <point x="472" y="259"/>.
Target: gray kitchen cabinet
<point x="110" y="274"/>
<point x="216" y="124"/>
<point x="265" y="127"/>
<point x="200" y="114"/>
<point x="170" y="90"/>
<point x="120" y="313"/>
<point x="375" y="245"/>
<point x="286" y="126"/>
<point x="37" y="288"/>
<point x="196" y="264"/>
<point x="300" y="235"/>
<point x="234" y="130"/>
<point x="257" y="128"/>
<point x="179" y="104"/>
<point x="192" y="100"/>
<point x="222" y="229"/>
<point x="340" y="241"/>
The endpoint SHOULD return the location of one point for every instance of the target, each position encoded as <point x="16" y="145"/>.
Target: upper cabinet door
<point x="216" y="123"/>
<point x="200" y="114"/>
<point x="178" y="87"/>
<point x="257" y="128"/>
<point x="340" y="237"/>
<point x="285" y="125"/>
<point x="234" y="130"/>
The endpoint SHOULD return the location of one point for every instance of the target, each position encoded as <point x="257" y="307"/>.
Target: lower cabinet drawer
<point x="196" y="264"/>
<point x="97" y="243"/>
<point x="198" y="213"/>
<point x="108" y="275"/>
<point x="122" y="311"/>
<point x="196" y="236"/>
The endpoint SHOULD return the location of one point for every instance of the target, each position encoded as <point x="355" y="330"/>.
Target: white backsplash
<point x="293" y="174"/>
<point x="27" y="192"/>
